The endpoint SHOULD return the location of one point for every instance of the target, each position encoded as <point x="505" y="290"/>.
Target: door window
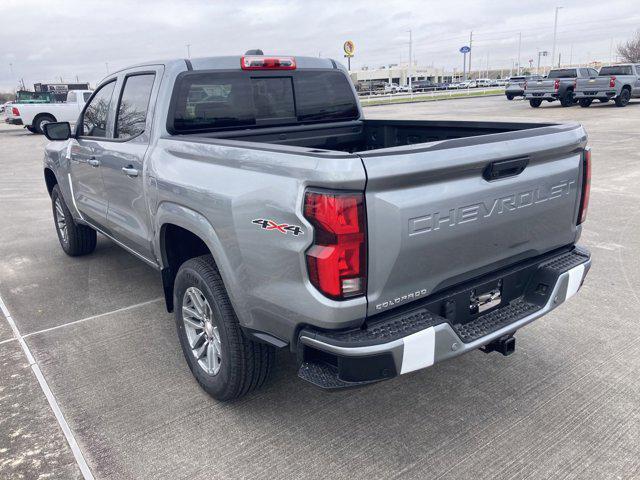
<point x="134" y="103"/>
<point x="94" y="119"/>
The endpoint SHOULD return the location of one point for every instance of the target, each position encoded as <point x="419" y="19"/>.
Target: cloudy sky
<point x="44" y="40"/>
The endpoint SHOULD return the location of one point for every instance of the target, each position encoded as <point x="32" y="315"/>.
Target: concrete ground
<point x="566" y="405"/>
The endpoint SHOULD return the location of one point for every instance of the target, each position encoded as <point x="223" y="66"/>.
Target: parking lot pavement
<point x="567" y="404"/>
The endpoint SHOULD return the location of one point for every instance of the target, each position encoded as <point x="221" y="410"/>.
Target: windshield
<point x="616" y="70"/>
<point x="564" y="73"/>
<point x="212" y="101"/>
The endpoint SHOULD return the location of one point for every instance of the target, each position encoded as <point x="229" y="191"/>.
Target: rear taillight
<point x="15" y="112"/>
<point x="258" y="62"/>
<point x="337" y="260"/>
<point x="586" y="185"/>
<point x="556" y="85"/>
<point x="612" y="82"/>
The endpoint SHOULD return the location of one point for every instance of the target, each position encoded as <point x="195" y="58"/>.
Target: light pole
<point x="410" y="60"/>
<point x="519" y="50"/>
<point x="188" y="45"/>
<point x="555" y="36"/>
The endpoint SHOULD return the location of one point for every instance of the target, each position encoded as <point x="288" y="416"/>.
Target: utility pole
<point x="470" y="48"/>
<point x="555" y="35"/>
<point x="519" y="50"/>
<point x="188" y="45"/>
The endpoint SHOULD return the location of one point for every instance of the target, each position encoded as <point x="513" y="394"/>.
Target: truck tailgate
<point x="434" y="219"/>
<point x="593" y="84"/>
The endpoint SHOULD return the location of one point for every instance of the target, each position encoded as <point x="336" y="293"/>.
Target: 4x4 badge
<point x="280" y="227"/>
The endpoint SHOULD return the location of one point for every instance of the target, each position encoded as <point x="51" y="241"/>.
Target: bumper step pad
<point x="493" y="321"/>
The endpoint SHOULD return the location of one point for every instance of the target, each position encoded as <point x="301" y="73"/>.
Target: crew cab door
<point x="86" y="153"/>
<point x="128" y="217"/>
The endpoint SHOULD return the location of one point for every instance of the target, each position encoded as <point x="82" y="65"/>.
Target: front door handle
<point x="130" y="171"/>
<point x="94" y="162"/>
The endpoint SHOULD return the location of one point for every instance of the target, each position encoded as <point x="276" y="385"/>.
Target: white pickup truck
<point x="34" y="116"/>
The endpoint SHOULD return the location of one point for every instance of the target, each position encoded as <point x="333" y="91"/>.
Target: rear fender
<point x="196" y="223"/>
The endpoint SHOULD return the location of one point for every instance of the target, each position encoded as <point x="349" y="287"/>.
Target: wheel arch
<point x="50" y="179"/>
<point x="184" y="234"/>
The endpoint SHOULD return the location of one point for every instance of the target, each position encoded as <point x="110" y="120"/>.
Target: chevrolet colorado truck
<point x="34" y="116"/>
<point x="620" y="83"/>
<point x="280" y="217"/>
<point x="559" y="85"/>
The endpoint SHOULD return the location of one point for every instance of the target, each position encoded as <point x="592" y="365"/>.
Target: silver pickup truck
<point x="620" y="83"/>
<point x="280" y="217"/>
<point x="559" y="85"/>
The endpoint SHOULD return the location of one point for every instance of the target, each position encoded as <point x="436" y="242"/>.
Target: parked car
<point x="484" y="82"/>
<point x="423" y="86"/>
<point x="34" y="116"/>
<point x="280" y="217"/>
<point x="559" y="85"/>
<point x="620" y="83"/>
<point x="514" y="86"/>
<point x="468" y="84"/>
<point x="392" y="88"/>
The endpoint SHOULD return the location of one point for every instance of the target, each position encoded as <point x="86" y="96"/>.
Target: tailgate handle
<point x="505" y="168"/>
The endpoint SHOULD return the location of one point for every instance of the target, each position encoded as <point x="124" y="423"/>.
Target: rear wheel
<point x="585" y="102"/>
<point x="41" y="121"/>
<point x="567" y="99"/>
<point x="509" y="96"/>
<point x="223" y="360"/>
<point x="74" y="239"/>
<point x="623" y="99"/>
<point x="535" y="102"/>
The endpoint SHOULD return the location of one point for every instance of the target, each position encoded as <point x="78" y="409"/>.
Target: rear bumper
<point x="541" y="95"/>
<point x="395" y="343"/>
<point x="594" y="94"/>
<point x="13" y="121"/>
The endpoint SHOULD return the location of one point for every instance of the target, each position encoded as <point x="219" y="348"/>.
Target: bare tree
<point x="630" y="50"/>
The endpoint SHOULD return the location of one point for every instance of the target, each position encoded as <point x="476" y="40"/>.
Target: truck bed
<point x="367" y="135"/>
<point x="436" y="215"/>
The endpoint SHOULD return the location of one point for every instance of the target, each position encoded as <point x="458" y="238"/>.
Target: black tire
<point x="509" y="96"/>
<point x="623" y="99"/>
<point x="585" y="102"/>
<point x="603" y="100"/>
<point x="41" y="120"/>
<point x="535" y="102"/>
<point x="80" y="239"/>
<point x="567" y="99"/>
<point x="244" y="364"/>
<point x="31" y="129"/>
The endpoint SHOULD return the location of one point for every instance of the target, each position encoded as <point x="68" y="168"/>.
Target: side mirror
<point x="57" y="131"/>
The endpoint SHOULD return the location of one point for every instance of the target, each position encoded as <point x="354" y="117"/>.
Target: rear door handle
<point x="130" y="171"/>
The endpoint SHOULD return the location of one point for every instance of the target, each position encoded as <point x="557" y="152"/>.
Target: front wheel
<point x="75" y="239"/>
<point x="223" y="360"/>
<point x="623" y="99"/>
<point x="585" y="102"/>
<point x="535" y="102"/>
<point x="509" y="96"/>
